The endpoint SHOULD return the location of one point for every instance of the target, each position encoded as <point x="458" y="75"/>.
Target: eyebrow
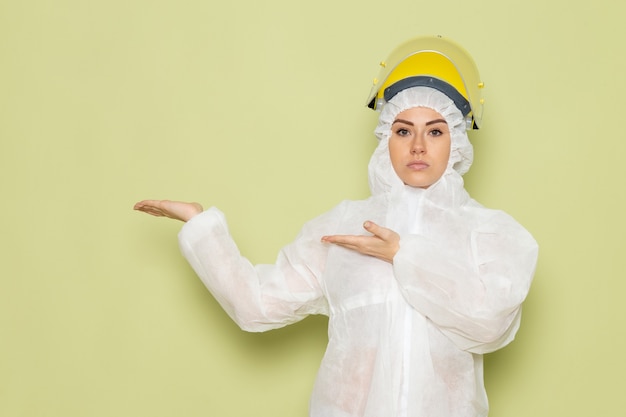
<point x="432" y="122"/>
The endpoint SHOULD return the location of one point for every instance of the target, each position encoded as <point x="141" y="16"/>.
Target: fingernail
<point x="367" y="224"/>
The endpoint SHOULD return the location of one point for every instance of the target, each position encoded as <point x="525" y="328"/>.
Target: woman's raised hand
<point x="382" y="245"/>
<point x="177" y="210"/>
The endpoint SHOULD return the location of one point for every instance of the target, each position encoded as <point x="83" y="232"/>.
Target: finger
<point x="152" y="211"/>
<point x="146" y="203"/>
<point x="375" y="229"/>
<point x="154" y="207"/>
<point x="334" y="238"/>
<point x="352" y="247"/>
<point x="363" y="244"/>
<point x="142" y="206"/>
<point x="381" y="232"/>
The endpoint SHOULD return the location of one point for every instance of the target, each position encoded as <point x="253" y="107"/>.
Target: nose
<point x="417" y="146"/>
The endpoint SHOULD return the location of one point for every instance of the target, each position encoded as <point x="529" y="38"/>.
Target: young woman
<point x="418" y="281"/>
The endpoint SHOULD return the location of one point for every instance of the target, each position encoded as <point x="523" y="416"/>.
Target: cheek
<point x="395" y="152"/>
<point x="446" y="156"/>
<point x="395" y="155"/>
<point x="443" y="153"/>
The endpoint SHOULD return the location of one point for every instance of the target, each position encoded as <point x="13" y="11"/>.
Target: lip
<point x="417" y="165"/>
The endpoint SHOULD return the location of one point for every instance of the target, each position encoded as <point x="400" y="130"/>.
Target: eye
<point x="402" y="131"/>
<point x="436" y="132"/>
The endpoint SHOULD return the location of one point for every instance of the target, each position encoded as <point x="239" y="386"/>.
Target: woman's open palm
<point x="178" y="210"/>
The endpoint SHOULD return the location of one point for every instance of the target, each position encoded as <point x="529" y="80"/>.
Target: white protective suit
<point x="405" y="340"/>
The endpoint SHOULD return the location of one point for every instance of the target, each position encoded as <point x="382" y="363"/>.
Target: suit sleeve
<point x="256" y="297"/>
<point x="469" y="281"/>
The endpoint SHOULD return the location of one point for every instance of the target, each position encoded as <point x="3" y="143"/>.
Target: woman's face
<point x="419" y="146"/>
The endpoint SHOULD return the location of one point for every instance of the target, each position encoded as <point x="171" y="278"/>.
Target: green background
<point x="258" y="107"/>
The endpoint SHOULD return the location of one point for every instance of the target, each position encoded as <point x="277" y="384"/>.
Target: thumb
<point x="380" y="232"/>
<point x="372" y="227"/>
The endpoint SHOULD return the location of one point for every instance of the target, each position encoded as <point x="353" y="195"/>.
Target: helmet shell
<point x="436" y="62"/>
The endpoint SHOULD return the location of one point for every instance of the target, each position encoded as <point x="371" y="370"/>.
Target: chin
<point x="417" y="186"/>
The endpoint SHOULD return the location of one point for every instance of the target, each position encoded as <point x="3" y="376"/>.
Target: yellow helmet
<point x="431" y="61"/>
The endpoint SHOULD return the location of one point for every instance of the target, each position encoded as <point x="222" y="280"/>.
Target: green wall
<point x="258" y="107"/>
